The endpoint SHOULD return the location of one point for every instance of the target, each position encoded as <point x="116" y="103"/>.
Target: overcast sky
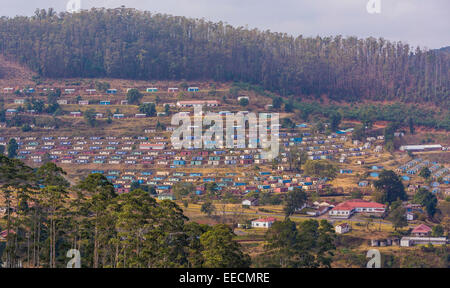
<point x="417" y="22"/>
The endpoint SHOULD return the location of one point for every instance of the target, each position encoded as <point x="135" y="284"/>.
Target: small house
<point x="250" y="202"/>
<point x="263" y="222"/>
<point x="165" y="196"/>
<point x="421" y="231"/>
<point x="75" y="114"/>
<point x="11" y="111"/>
<point x="409" y="216"/>
<point x="193" y="89"/>
<point x="342" y="228"/>
<point x="363" y="183"/>
<point x="118" y="116"/>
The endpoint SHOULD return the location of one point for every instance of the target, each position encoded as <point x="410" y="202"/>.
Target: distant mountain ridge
<point x="126" y="43"/>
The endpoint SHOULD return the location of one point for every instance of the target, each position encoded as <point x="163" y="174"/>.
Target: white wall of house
<point x="257" y="224"/>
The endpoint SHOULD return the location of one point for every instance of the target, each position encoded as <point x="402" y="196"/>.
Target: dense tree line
<point x="45" y="217"/>
<point x="403" y="114"/>
<point x="311" y="244"/>
<point x="125" y="43"/>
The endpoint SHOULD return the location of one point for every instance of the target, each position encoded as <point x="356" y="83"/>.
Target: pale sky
<point x="417" y="22"/>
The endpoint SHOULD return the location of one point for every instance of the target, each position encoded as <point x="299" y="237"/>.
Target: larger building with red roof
<point x="348" y="208"/>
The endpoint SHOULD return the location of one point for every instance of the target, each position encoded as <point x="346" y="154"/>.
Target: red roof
<point x="357" y="203"/>
<point x="422" y="228"/>
<point x="343" y="206"/>
<point x="269" y="219"/>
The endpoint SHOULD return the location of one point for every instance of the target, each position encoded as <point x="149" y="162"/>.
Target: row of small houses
<point x="98" y="143"/>
<point x="164" y="180"/>
<point x="31" y="138"/>
<point x="144" y="153"/>
<point x="78" y="114"/>
<point x="413" y="167"/>
<point x="183" y="104"/>
<point x="410" y="164"/>
<point x="286" y="139"/>
<point x="133" y="158"/>
<point x="192" y="103"/>
<point x="8" y="90"/>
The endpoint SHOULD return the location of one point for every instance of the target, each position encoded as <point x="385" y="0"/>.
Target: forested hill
<point x="125" y="43"/>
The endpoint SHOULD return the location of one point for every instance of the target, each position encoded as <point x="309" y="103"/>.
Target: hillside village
<point x="97" y="130"/>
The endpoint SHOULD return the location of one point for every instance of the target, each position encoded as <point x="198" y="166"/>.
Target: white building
<point x="421" y="147"/>
<point x="411" y="241"/>
<point x="250" y="202"/>
<point x="263" y="222"/>
<point x="348" y="208"/>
